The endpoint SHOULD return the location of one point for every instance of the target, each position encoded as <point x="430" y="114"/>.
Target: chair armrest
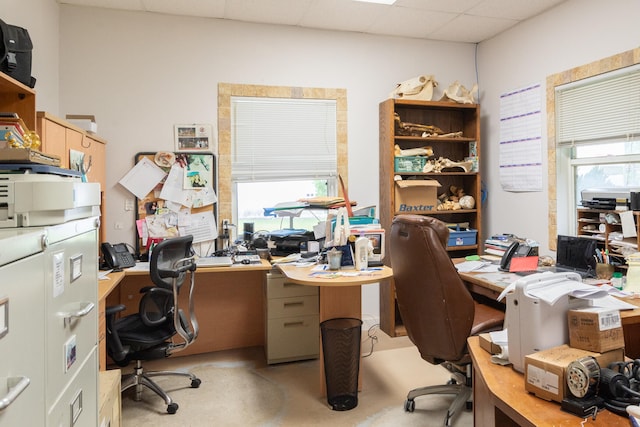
<point x="111" y="310"/>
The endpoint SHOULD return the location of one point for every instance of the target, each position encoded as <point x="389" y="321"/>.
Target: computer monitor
<point x="576" y="253"/>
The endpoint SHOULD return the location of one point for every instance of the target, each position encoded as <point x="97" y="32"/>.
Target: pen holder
<point x="604" y="271"/>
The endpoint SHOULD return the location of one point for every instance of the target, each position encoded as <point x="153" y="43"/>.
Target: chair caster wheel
<point x="409" y="405"/>
<point x="172" y="408"/>
<point x="196" y="383"/>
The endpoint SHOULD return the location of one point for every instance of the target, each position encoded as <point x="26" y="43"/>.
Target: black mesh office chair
<point x="437" y="309"/>
<point x="161" y="327"/>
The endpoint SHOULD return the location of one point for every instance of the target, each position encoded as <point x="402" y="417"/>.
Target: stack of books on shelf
<point x="498" y="244"/>
<point x="12" y="128"/>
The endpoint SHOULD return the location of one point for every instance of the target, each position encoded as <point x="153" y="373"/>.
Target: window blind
<point x="605" y="107"/>
<point x="276" y="138"/>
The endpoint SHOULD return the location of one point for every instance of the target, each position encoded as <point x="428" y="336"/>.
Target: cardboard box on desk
<point x="488" y="345"/>
<point x="416" y="196"/>
<point x="595" y="329"/>
<point x="545" y="371"/>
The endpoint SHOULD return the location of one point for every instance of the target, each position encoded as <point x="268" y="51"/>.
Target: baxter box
<point x="545" y="371"/>
<point x="595" y="329"/>
<point x="417" y="196"/>
<point x="462" y="237"/>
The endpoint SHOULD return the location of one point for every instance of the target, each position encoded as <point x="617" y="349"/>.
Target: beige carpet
<point x="239" y="389"/>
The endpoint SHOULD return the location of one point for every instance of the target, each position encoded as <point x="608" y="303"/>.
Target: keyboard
<point x="214" y="261"/>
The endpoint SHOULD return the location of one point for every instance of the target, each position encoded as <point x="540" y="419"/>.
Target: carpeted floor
<point x="239" y="389"/>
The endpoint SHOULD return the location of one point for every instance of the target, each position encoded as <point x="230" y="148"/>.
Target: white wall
<point x="141" y="73"/>
<point x="41" y="19"/>
<point x="575" y="33"/>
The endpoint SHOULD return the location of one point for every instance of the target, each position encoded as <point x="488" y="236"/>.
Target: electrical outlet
<point x="128" y="205"/>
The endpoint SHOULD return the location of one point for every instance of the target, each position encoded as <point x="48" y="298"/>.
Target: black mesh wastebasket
<point x="341" y="348"/>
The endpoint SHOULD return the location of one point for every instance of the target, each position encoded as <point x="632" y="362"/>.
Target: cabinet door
<point x="52" y="136"/>
<point x="98" y="154"/>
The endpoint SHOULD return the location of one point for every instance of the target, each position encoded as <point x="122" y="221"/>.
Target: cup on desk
<point x="604" y="271"/>
<point x="335" y="259"/>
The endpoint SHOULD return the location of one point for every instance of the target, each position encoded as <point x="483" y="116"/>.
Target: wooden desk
<point x="339" y="297"/>
<point x="229" y="304"/>
<point x="499" y="399"/>
<point x="630" y="318"/>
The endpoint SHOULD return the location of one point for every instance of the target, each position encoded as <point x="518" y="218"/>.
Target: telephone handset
<point x="117" y="256"/>
<point x="516" y="249"/>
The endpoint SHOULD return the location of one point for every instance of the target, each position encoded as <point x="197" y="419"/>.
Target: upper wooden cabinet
<point x="18" y="98"/>
<point x="60" y="137"/>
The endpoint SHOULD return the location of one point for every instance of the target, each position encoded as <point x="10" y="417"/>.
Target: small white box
<point x="86" y="122"/>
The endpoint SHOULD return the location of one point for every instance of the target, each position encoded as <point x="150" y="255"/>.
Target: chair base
<point x="140" y="379"/>
<point x="458" y="385"/>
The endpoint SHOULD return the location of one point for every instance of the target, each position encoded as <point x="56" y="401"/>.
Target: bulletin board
<point x="183" y="202"/>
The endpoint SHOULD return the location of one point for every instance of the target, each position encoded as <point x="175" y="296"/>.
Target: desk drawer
<point x="77" y="405"/>
<point x="71" y="308"/>
<point x="293" y="306"/>
<point x="293" y="338"/>
<point x="278" y="287"/>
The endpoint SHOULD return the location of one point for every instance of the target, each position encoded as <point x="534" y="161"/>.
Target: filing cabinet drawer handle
<point x="17" y="386"/>
<point x="67" y="315"/>
<point x="294" y="304"/>
<point x="292" y="324"/>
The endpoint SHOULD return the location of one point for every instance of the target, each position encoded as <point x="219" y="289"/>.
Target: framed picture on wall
<point x="195" y="137"/>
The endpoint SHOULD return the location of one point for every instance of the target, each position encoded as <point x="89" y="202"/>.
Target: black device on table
<point x="516" y="249"/>
<point x="117" y="256"/>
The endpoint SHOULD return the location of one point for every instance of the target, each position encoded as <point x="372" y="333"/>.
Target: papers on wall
<point x="141" y="179"/>
<point x="175" y="197"/>
<point x="521" y="139"/>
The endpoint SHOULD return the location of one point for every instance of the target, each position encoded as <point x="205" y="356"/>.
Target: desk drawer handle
<point x="293" y="304"/>
<point x="17" y="386"/>
<point x="81" y="312"/>
<point x="290" y="285"/>
<point x="292" y="324"/>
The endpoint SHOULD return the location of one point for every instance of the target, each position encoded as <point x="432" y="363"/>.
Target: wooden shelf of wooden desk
<point x="229" y="305"/>
<point x="499" y="399"/>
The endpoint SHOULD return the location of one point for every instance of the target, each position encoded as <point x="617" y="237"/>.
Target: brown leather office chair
<point x="437" y="309"/>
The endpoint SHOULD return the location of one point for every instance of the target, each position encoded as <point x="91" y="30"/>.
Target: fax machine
<point x="533" y="324"/>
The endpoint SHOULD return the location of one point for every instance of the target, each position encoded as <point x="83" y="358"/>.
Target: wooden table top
<point x="343" y="277"/>
<point x="507" y="389"/>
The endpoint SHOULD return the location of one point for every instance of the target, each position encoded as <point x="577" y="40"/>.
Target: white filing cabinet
<point x="292" y="320"/>
<point x="51" y="307"/>
<point x="22" y="380"/>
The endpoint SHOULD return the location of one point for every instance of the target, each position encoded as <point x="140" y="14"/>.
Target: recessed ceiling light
<point x="378" y="1"/>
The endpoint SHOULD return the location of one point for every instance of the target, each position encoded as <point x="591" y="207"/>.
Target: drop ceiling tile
<point x="407" y="22"/>
<point x="472" y="29"/>
<point x="513" y="9"/>
<point x="454" y="6"/>
<point x="208" y="8"/>
<point x="289" y="12"/>
<point x="343" y="15"/>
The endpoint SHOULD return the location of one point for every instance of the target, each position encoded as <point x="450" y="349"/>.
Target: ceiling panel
<point x="470" y="21"/>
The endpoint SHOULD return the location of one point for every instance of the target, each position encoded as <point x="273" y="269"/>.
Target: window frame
<point x="562" y="215"/>
<point x="226" y="189"/>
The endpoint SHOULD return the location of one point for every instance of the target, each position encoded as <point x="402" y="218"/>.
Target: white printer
<point x="37" y="199"/>
<point x="532" y="323"/>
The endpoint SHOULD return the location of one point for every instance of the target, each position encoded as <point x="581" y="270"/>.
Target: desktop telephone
<point x="117" y="256"/>
<point x="516" y="249"/>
